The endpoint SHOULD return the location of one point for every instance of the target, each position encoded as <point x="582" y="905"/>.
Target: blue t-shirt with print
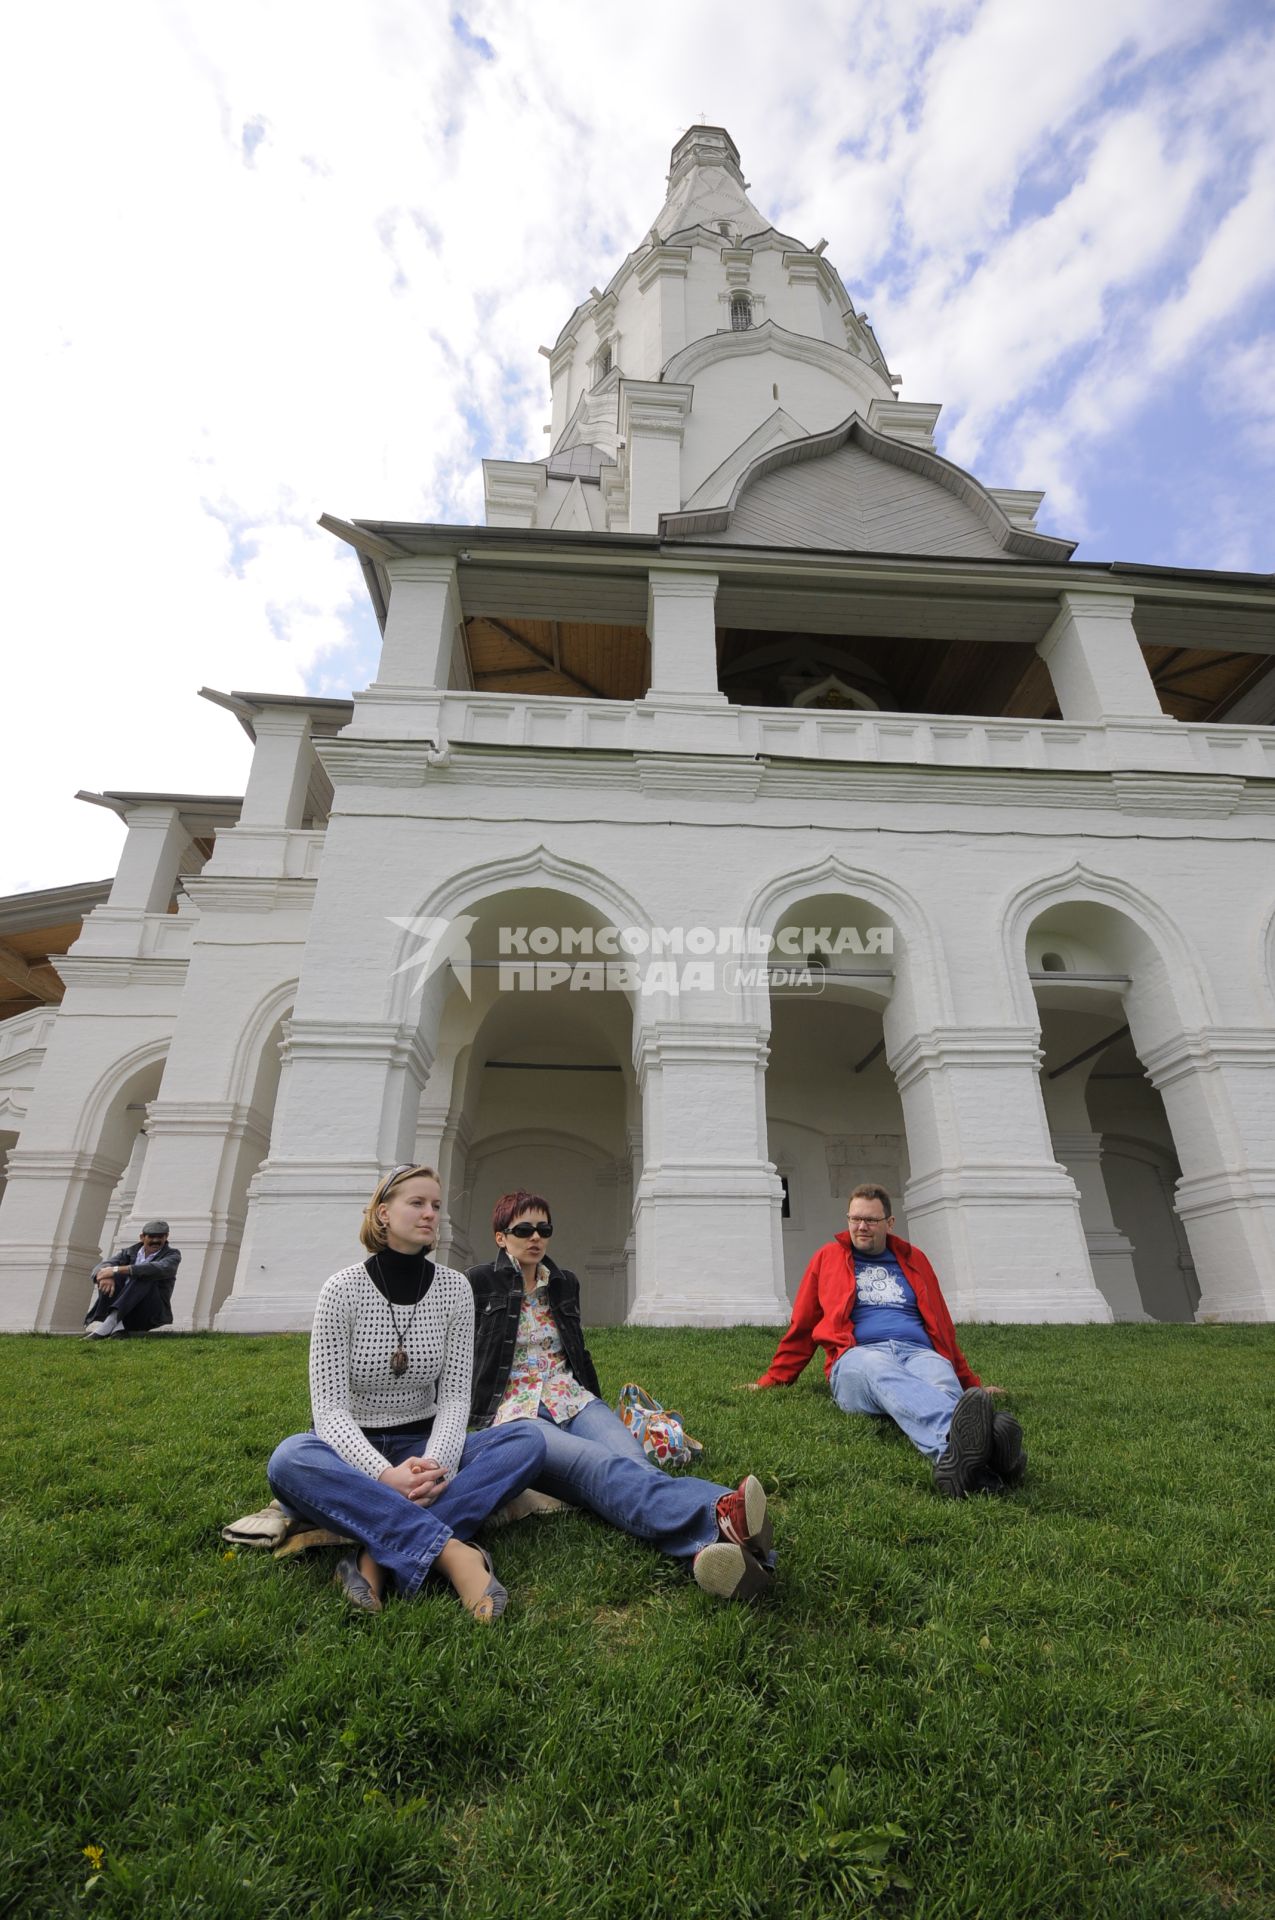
<point x="884" y="1304"/>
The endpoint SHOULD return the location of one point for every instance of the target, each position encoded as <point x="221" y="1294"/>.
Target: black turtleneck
<point x="403" y="1278"/>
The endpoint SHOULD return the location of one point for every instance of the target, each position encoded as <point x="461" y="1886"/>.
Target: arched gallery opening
<point x="1100" y="989"/>
<point x="532" y="1085"/>
<point x="833" y="1114"/>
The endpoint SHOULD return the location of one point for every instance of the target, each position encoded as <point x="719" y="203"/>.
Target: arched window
<point x="741" y="312"/>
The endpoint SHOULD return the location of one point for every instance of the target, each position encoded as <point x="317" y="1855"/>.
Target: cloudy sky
<point x="269" y="259"/>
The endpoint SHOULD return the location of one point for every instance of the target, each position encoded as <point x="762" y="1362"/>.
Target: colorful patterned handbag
<point x="660" y="1429"/>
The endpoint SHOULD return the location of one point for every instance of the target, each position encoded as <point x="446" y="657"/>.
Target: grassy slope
<point x="1057" y="1703"/>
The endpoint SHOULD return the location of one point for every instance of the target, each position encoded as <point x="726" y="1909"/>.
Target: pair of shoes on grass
<point x="736" y="1565"/>
<point x="363" y="1597"/>
<point x="984" y="1452"/>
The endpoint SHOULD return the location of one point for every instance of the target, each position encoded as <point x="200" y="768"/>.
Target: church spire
<point x="706" y="187"/>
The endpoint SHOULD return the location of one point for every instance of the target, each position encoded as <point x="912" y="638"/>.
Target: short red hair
<point x="510" y="1205"/>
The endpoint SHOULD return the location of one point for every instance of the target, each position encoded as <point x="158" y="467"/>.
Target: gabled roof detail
<point x="573" y="513"/>
<point x="716" y="491"/>
<point x="859" y="491"/>
<point x="691" y="361"/>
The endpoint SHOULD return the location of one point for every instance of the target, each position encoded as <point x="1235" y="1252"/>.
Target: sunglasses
<point x="392" y="1179"/>
<point x="528" y="1229"/>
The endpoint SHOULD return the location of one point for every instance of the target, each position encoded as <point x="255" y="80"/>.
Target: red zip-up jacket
<point x="823" y="1312"/>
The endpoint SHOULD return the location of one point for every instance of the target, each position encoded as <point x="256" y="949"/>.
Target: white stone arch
<point x="1172" y="1019"/>
<point x="95" y="1114"/>
<point x="261" y="1022"/>
<point x="1184" y="977"/>
<point x="460" y="893"/>
<point x="921" y="990"/>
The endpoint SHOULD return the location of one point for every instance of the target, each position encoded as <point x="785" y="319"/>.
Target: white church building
<point x="756" y="804"/>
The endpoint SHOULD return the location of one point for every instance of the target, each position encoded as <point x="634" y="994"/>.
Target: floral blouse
<point x="540" y="1377"/>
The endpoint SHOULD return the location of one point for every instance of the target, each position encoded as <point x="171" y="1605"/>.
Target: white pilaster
<point x="420" y="626"/>
<point x="512" y="492"/>
<point x="54" y="1203"/>
<point x="1110" y="1251"/>
<point x="652" y="424"/>
<point x="153" y="852"/>
<point x="661" y="277"/>
<point x="707" y="1208"/>
<point x="349" y="1096"/>
<point x="988" y="1202"/>
<point x="681" y="622"/>
<point x="1218" y="1088"/>
<point x="282" y="763"/>
<point x="1095" y="663"/>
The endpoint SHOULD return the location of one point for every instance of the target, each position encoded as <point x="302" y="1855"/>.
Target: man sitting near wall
<point x="874" y="1305"/>
<point x="134" y="1288"/>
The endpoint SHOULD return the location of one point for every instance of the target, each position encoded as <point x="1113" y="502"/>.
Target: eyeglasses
<point x="867" y="1219"/>
<point x="531" y="1229"/>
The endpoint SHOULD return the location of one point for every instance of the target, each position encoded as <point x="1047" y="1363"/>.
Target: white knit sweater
<point x="351" y="1386"/>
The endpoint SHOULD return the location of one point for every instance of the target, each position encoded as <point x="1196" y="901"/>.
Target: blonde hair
<point x="371" y="1230"/>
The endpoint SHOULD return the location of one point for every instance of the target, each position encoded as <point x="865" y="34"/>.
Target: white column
<point x="1218" y="1088"/>
<point x="652" y="421"/>
<point x="1079" y="1149"/>
<point x="198" y="1161"/>
<point x="348" y="1102"/>
<point x="1110" y="1251"/>
<point x="987" y="1201"/>
<point x="707" y="1209"/>
<point x="421" y="624"/>
<point x="153" y="852"/>
<point x="681" y="622"/>
<point x="282" y="764"/>
<point x="1096" y="665"/>
<point x="54" y="1204"/>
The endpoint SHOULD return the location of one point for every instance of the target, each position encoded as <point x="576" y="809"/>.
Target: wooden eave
<point x="35" y="930"/>
<point x="593" y="588"/>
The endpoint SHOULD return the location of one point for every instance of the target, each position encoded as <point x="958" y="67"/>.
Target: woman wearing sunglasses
<point x="388" y="1461"/>
<point x="532" y="1370"/>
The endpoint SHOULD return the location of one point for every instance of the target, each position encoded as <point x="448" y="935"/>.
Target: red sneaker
<point x="742" y="1518"/>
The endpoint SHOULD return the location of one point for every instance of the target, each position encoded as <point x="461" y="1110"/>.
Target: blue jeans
<point x="312" y="1479"/>
<point x="594" y="1461"/>
<point x="913" y="1386"/>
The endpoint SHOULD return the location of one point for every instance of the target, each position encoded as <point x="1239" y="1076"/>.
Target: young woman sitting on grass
<point x="388" y="1461"/>
<point x="532" y="1372"/>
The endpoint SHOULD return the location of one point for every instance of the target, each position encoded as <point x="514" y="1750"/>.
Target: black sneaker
<point x="969" y="1445"/>
<point x="1009" y="1456"/>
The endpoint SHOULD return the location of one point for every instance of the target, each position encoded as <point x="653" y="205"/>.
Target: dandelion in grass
<point x="94" y="1856"/>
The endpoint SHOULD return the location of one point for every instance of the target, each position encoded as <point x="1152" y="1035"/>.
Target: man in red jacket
<point x="873" y="1304"/>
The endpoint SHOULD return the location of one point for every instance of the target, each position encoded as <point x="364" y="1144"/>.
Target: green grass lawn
<point x="1054" y="1703"/>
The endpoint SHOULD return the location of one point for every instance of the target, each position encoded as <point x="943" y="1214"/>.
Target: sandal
<point x="493" y="1599"/>
<point x="360" y="1593"/>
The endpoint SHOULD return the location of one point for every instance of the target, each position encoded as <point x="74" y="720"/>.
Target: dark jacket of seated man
<point x="143" y="1296"/>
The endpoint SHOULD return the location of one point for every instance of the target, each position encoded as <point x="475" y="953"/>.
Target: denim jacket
<point x="497" y="1305"/>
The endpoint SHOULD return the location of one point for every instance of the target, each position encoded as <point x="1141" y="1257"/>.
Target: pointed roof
<point x="706" y="186"/>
